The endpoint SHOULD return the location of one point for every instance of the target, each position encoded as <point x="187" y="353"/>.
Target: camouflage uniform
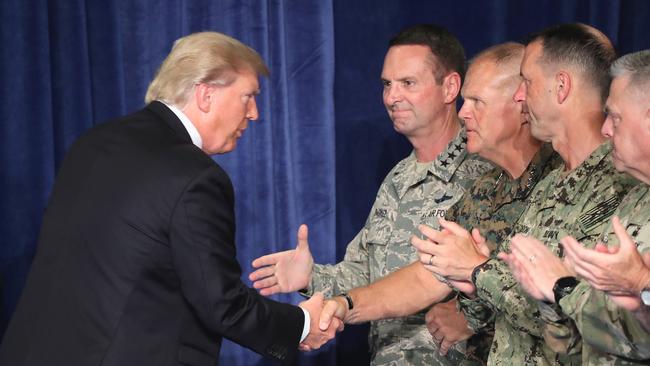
<point x="579" y="204"/>
<point x="408" y="197"/>
<point x="605" y="333"/>
<point x="493" y="203"/>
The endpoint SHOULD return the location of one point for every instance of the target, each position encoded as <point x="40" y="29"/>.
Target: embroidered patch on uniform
<point x="381" y="212"/>
<point x="444" y="198"/>
<point x="550" y="234"/>
<point x="599" y="213"/>
<point x="435" y="213"/>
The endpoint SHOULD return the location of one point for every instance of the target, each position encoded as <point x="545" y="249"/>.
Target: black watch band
<point x="348" y="299"/>
<point x="564" y="286"/>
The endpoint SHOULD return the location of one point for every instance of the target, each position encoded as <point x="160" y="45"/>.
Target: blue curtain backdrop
<point x="323" y="142"/>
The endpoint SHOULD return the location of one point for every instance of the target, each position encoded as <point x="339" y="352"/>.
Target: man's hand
<point x="535" y="266"/>
<point x="618" y="270"/>
<point x="318" y="336"/>
<point x="286" y="271"/>
<point x="451" y="253"/>
<point x="334" y="308"/>
<point x="447" y="325"/>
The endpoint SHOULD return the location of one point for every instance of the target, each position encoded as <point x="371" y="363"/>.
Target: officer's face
<point x="628" y="126"/>
<point x="492" y="118"/>
<point x="412" y="97"/>
<point x="231" y="107"/>
<point x="535" y="91"/>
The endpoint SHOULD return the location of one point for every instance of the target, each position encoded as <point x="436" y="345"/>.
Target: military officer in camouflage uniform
<point x="565" y="81"/>
<point x="497" y="131"/>
<point x="422" y="76"/>
<point x="602" y="315"/>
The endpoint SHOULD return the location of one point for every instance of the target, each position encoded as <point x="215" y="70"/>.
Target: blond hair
<point x="205" y="57"/>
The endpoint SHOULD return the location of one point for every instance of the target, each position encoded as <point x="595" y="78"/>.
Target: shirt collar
<point x="443" y="167"/>
<point x="189" y="126"/>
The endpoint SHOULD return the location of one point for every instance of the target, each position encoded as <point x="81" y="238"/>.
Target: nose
<point x="392" y="94"/>
<point x="520" y="93"/>
<point x="608" y="127"/>
<point x="251" y="112"/>
<point x="464" y="111"/>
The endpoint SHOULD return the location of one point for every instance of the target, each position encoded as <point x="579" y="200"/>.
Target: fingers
<point x="265" y="282"/>
<point x="453" y="227"/>
<point x="261" y="273"/>
<point x="303" y="235"/>
<point x="444" y="347"/>
<point x="267" y="260"/>
<point x="424" y="246"/>
<point x="430" y="233"/>
<point x="268" y="291"/>
<point x="624" y="239"/>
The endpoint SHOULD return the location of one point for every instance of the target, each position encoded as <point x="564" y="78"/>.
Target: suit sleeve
<point x="202" y="237"/>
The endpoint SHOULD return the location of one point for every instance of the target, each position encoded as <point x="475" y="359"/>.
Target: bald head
<point x="580" y="47"/>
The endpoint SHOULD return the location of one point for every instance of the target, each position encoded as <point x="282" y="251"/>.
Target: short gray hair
<point x="501" y="54"/>
<point x="205" y="57"/>
<point x="635" y="65"/>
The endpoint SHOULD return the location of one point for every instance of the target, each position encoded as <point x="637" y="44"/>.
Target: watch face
<point x="645" y="297"/>
<point x="563" y="287"/>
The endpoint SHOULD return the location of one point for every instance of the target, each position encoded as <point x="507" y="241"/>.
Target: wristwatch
<point x="348" y="299"/>
<point x="645" y="296"/>
<point x="564" y="286"/>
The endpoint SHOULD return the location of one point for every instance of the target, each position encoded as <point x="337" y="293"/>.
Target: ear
<point x="563" y="86"/>
<point x="203" y="96"/>
<point x="451" y="87"/>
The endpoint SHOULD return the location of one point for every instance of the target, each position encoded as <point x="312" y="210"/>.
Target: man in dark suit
<point x="136" y="259"/>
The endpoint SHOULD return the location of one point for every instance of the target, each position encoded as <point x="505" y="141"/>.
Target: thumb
<point x="624" y="240"/>
<point x="478" y="238"/>
<point x="646" y="259"/>
<point x="329" y="311"/>
<point x="480" y="242"/>
<point x="303" y="234"/>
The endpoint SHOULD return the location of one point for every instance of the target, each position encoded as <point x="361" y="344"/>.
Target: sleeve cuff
<point x="305" y="327"/>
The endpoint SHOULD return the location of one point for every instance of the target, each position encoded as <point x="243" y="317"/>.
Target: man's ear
<point x="203" y="96"/>
<point x="563" y="86"/>
<point x="451" y="87"/>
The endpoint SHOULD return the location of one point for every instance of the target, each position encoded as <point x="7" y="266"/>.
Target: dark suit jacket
<point x="136" y="259"/>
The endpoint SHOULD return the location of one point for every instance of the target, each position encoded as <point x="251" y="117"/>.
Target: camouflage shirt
<point x="409" y="196"/>
<point x="493" y="203"/>
<point x="578" y="204"/>
<point x="605" y="333"/>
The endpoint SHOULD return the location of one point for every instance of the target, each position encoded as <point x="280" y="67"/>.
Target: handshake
<point x="326" y="319"/>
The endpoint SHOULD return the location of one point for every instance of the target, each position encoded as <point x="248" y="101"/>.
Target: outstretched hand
<point x="286" y="271"/>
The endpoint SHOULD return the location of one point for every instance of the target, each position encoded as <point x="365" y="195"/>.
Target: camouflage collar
<point x="509" y="190"/>
<point x="572" y="186"/>
<point x="443" y="167"/>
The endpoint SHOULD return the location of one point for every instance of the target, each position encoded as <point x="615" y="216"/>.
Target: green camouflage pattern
<point x="408" y="197"/>
<point x="494" y="202"/>
<point x="605" y="333"/>
<point x="577" y="203"/>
